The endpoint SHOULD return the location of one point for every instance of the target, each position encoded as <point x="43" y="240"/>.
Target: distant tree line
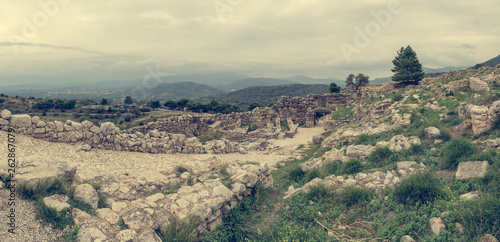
<point x="47" y="104"/>
<point x="199" y="107"/>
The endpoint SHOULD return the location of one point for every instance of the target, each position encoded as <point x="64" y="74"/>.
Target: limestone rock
<point x="471" y="195"/>
<point x="90" y="234"/>
<point x="127" y="235"/>
<point x="489" y="238"/>
<point x="471" y="169"/>
<point x="21" y="121"/>
<point x="318" y="139"/>
<point x="5" y="114"/>
<point x="87" y="194"/>
<point x="138" y="218"/>
<point x="148" y="235"/>
<point x="437" y="225"/>
<point x="57" y="202"/>
<point x="407" y="238"/>
<point x="432" y="132"/>
<point x="359" y="151"/>
<point x="477" y="85"/>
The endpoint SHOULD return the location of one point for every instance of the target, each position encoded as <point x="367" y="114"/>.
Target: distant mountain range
<point x="263" y="95"/>
<point x="492" y="62"/>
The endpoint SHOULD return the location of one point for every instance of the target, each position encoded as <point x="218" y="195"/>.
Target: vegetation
<point x="211" y="135"/>
<point x="179" y="230"/>
<point x="334" y="88"/>
<point x="419" y="188"/>
<point x="355" y="82"/>
<point x="199" y="107"/>
<point x="456" y="150"/>
<point x="407" y="68"/>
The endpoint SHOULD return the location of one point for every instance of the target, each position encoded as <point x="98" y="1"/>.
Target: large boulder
<point x="471" y="169"/>
<point x="87" y="194"/>
<point x="21" y="120"/>
<point x="5" y="114"/>
<point x="477" y="85"/>
<point x="37" y="167"/>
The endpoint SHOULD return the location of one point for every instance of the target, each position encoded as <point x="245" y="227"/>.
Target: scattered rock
<point x="5" y="114"/>
<point x="407" y="238"/>
<point x="437" y="225"/>
<point x="489" y="238"/>
<point x="87" y="194"/>
<point x="432" y="132"/>
<point x="471" y="195"/>
<point x="57" y="202"/>
<point x="471" y="169"/>
<point x="90" y="234"/>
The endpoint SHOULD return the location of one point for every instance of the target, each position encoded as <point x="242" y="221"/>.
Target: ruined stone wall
<point x="296" y="107"/>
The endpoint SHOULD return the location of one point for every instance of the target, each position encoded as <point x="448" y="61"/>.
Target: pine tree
<point x="407" y="68"/>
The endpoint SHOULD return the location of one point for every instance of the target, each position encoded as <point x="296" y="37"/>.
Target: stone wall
<point x="296" y="108"/>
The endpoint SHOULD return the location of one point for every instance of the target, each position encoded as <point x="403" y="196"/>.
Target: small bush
<point x="352" y="195"/>
<point x="363" y="138"/>
<point x="59" y="220"/>
<point x="41" y="189"/>
<point x="397" y="97"/>
<point x="211" y="135"/>
<point x="352" y="166"/>
<point x="455" y="149"/>
<point x="418" y="188"/>
<point x="312" y="174"/>
<point x="332" y="168"/>
<point x="179" y="230"/>
<point x="181" y="169"/>
<point x="479" y="217"/>
<point x="296" y="174"/>
<point x="379" y="155"/>
<point x="317" y="192"/>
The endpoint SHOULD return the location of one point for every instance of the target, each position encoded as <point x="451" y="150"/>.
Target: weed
<point x="122" y="224"/>
<point x="179" y="230"/>
<point x="59" y="220"/>
<point x="352" y="195"/>
<point x="352" y="166"/>
<point x="296" y="174"/>
<point x="397" y="97"/>
<point x="312" y="174"/>
<point x="479" y="217"/>
<point x="42" y="188"/>
<point x="181" y="169"/>
<point x="331" y="168"/>
<point x="418" y="188"/>
<point x="456" y="149"/>
<point x="317" y="192"/>
<point x="379" y="155"/>
<point x="211" y="135"/>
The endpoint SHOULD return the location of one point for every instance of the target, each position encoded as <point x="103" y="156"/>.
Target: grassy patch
<point x="456" y="150"/>
<point x="352" y="166"/>
<point x="211" y="135"/>
<point x="317" y="192"/>
<point x="479" y="217"/>
<point x="418" y="188"/>
<point x="352" y="195"/>
<point x="179" y="230"/>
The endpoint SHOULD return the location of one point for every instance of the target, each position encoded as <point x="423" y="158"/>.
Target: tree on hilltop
<point x="128" y="100"/>
<point x="407" y="68"/>
<point x="355" y="82"/>
<point x="334" y="88"/>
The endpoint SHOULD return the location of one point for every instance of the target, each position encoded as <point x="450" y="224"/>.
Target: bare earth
<point x="97" y="162"/>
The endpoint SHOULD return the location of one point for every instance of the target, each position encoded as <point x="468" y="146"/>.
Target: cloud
<point x="258" y="37"/>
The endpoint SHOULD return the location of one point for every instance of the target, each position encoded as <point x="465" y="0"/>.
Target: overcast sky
<point x="99" y="40"/>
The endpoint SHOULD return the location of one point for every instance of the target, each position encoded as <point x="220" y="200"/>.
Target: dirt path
<point x="303" y="136"/>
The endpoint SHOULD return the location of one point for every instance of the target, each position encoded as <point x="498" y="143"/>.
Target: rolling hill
<point x="263" y="95"/>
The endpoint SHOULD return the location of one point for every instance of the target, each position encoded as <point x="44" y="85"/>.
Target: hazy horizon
<point x="127" y="40"/>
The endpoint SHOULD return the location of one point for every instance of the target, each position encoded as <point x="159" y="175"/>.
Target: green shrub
<point x="179" y="230"/>
<point x="352" y="195"/>
<point x="332" y="168"/>
<point x="296" y="174"/>
<point x="42" y="188"/>
<point x="352" y="166"/>
<point x="479" y="217"/>
<point x="445" y="135"/>
<point x="397" y="97"/>
<point x="418" y="188"/>
<point x="59" y="220"/>
<point x="363" y="138"/>
<point x="211" y="135"/>
<point x="317" y="192"/>
<point x="314" y="173"/>
<point x="414" y="150"/>
<point x="492" y="180"/>
<point x="379" y="155"/>
<point x="180" y="169"/>
<point x="456" y="149"/>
